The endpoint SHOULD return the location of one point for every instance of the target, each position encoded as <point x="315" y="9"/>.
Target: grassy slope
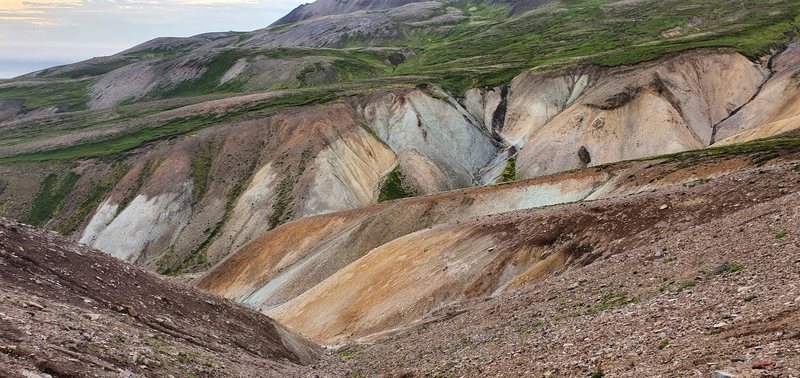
<point x="487" y="49"/>
<point x="575" y="32"/>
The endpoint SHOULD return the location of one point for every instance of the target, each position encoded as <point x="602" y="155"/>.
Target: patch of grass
<point x="734" y="267"/>
<point x="663" y="344"/>
<point x="282" y="203"/>
<point x="348" y="355"/>
<point x="609" y="301"/>
<point x="199" y="257"/>
<point x="764" y="159"/>
<point x="685" y="285"/>
<point x="68" y="95"/>
<point x="281" y="209"/>
<point x="777" y="144"/>
<point x="392" y="187"/>
<point x="187" y="357"/>
<point x="209" y="82"/>
<point x="119" y="144"/>
<point x="114" y="146"/>
<point x="95" y="69"/>
<point x="49" y="199"/>
<point x="780" y="234"/>
<point x="141" y="179"/>
<point x="200" y="169"/>
<point x="509" y="172"/>
<point x="97" y="192"/>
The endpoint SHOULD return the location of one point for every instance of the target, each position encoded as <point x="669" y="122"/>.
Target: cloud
<point x="24" y="11"/>
<point x="32" y="20"/>
<point x="73" y="30"/>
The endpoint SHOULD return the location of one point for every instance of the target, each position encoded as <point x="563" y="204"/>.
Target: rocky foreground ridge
<point x="70" y="311"/>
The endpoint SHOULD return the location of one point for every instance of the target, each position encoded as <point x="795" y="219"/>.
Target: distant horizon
<point x="38" y="34"/>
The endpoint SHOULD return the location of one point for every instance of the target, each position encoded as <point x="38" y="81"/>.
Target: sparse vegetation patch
<point x="392" y="187"/>
<point x="50" y="197"/>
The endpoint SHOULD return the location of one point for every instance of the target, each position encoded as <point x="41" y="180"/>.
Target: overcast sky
<point x="36" y="34"/>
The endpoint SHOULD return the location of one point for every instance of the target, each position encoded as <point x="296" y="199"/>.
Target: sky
<point x="36" y="34"/>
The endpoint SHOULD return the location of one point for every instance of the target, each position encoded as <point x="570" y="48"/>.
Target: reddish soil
<point x="69" y="311"/>
<point x="682" y="281"/>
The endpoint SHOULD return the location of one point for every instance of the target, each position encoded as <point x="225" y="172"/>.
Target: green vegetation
<point x="281" y="209"/>
<point x="200" y="169"/>
<point x="69" y="95"/>
<point x="609" y="301"/>
<point x="509" y="172"/>
<point x="210" y="80"/>
<point x="733" y="267"/>
<point x="132" y="192"/>
<point x="780" y="234"/>
<point x="97" y="191"/>
<point x="663" y="344"/>
<point x="779" y="144"/>
<point x="199" y="257"/>
<point x="348" y="354"/>
<point x="392" y="187"/>
<point x="592" y="32"/>
<point x="764" y="159"/>
<point x="95" y="69"/>
<point x="49" y="199"/>
<point x="685" y="285"/>
<point x="116" y="145"/>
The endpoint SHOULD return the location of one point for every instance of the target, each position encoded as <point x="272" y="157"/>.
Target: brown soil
<point x="681" y="281"/>
<point x="69" y="311"/>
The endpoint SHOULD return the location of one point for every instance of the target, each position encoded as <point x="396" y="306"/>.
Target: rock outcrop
<point x="392" y="264"/>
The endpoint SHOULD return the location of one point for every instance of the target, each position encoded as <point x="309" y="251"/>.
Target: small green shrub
<point x="509" y="172"/>
<point x="734" y="267"/>
<point x="348" y="355"/>
<point x="780" y="234"/>
<point x="392" y="187"/>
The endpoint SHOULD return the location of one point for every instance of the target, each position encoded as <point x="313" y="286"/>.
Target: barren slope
<point x="679" y="282"/>
<point x="69" y="311"/>
<point x="348" y="275"/>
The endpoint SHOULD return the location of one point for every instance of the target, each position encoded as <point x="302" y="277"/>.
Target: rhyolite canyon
<point x="413" y="188"/>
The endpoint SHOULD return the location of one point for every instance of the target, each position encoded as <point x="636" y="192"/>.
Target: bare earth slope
<point x="682" y="281"/>
<point x="349" y="275"/>
<point x="69" y="311"/>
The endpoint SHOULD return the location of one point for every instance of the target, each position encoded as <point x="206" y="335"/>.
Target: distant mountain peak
<point x="321" y="8"/>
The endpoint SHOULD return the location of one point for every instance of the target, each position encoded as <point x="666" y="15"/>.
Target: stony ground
<point x="69" y="311"/>
<point x="690" y="280"/>
<point x="683" y="298"/>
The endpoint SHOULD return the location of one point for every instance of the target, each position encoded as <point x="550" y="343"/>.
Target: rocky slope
<point x="69" y="311"/>
<point x="265" y="164"/>
<point x="349" y="275"/>
<point x="688" y="280"/>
